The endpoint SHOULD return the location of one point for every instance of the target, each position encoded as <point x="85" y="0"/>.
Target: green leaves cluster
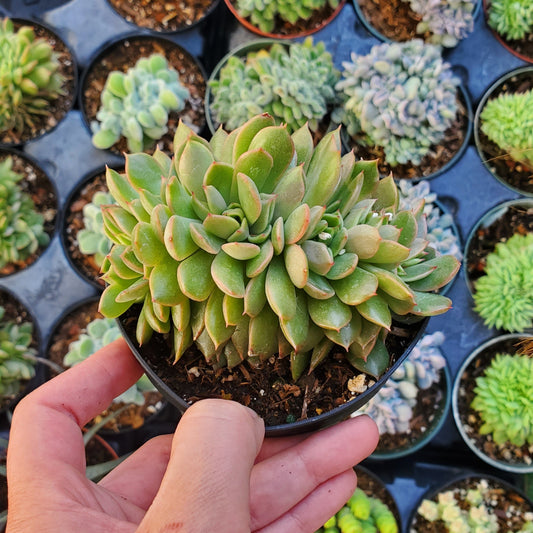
<point x="511" y="18"/>
<point x="136" y="104"/>
<point x="21" y="226"/>
<point x="263" y="13"/>
<point x="504" y="295"/>
<point x="258" y="244"/>
<point x="294" y="83"/>
<point x="504" y="399"/>
<point x="508" y="121"/>
<point x="362" y="513"/>
<point x="101" y="332"/>
<point x="29" y="76"/>
<point x="16" y="365"/>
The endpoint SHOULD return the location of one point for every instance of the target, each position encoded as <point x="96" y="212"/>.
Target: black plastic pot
<point x="476" y="360"/>
<point x="70" y="86"/>
<point x="491" y="155"/>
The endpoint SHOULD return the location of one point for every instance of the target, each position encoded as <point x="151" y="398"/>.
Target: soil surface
<point x="162" y="15"/>
<point x="16" y="312"/>
<point x="58" y="107"/>
<point x="470" y="418"/>
<point x="69" y="330"/>
<point x="501" y="164"/>
<point x="36" y="184"/>
<point x="98" y="451"/>
<point x="438" y="156"/>
<point x="123" y="56"/>
<point x="522" y="47"/>
<point x="319" y="18"/>
<point x="73" y="223"/>
<point x="507" y="504"/>
<point x="426" y="414"/>
<point x="517" y="219"/>
<point x="269" y="389"/>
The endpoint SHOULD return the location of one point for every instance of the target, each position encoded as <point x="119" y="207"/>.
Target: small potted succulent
<point x="411" y="407"/>
<point x="267" y="259"/>
<point x="492" y="403"/>
<point x="441" y="22"/>
<point x="371" y="508"/>
<point x="293" y="82"/>
<point x="512" y="24"/>
<point x="502" y="130"/>
<point x="282" y="19"/>
<point x="28" y="211"/>
<point x="39" y="78"/>
<point x="498" y="259"/>
<point x="473" y="503"/>
<point x="79" y="333"/>
<point x="136" y="89"/>
<point x="402" y="104"/>
<point x="164" y="16"/>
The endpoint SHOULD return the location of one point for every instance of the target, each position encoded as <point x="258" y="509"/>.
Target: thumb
<point x="206" y="486"/>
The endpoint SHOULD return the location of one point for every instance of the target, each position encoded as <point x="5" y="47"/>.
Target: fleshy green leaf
<point x="330" y="313"/>
<point x="228" y="274"/>
<point x="280" y="291"/>
<point x="194" y="276"/>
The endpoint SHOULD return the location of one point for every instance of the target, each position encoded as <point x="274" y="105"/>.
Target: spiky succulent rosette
<point x="258" y="244"/>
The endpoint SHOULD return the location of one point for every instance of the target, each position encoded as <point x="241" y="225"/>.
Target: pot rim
<point x="528" y="69"/>
<point x="249" y="26"/>
<point x="72" y="97"/>
<point x="313" y="423"/>
<point x="489" y="217"/>
<point x="4" y="149"/>
<point x="181" y="29"/>
<point x="432" y="491"/>
<point x="500" y="465"/>
<point x="108" y="46"/>
<point x="434" y="427"/>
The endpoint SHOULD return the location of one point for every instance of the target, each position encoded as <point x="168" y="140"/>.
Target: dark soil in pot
<point x="68" y="330"/>
<point x="510" y="507"/>
<point x="57" y="108"/>
<point x="163" y="15"/>
<point x="512" y="173"/>
<point x="98" y="451"/>
<point x="269" y="390"/>
<point x="440" y="155"/>
<point x="124" y="54"/>
<point x="470" y="418"/>
<point x="38" y="186"/>
<point x="73" y="223"/>
<point x="518" y="218"/>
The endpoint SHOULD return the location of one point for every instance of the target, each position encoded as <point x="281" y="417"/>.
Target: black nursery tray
<point x="50" y="285"/>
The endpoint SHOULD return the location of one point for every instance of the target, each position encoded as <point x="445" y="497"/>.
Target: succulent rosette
<point x="258" y="244"/>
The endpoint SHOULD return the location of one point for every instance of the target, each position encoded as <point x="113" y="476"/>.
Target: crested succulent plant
<point x="256" y="244"/>
<point x="136" y="104"/>
<point x="294" y="83"/>
<point x="446" y="21"/>
<point x="360" y="514"/>
<point x="92" y="239"/>
<point x="513" y="19"/>
<point x="508" y="121"/>
<point x="401" y="97"/>
<point x="100" y="332"/>
<point x="440" y="233"/>
<point x="392" y="406"/>
<point x="21" y="226"/>
<point x="29" y="76"/>
<point x="263" y="13"/>
<point x="16" y="364"/>
<point x="504" y="295"/>
<point x="503" y="397"/>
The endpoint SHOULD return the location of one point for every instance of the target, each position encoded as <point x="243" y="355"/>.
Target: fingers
<point x="137" y="478"/>
<point x="283" y="480"/>
<point x="207" y="481"/>
<point x="46" y="424"/>
<point x="318" y="507"/>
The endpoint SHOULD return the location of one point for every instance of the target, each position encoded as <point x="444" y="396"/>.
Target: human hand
<point x="217" y="473"/>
